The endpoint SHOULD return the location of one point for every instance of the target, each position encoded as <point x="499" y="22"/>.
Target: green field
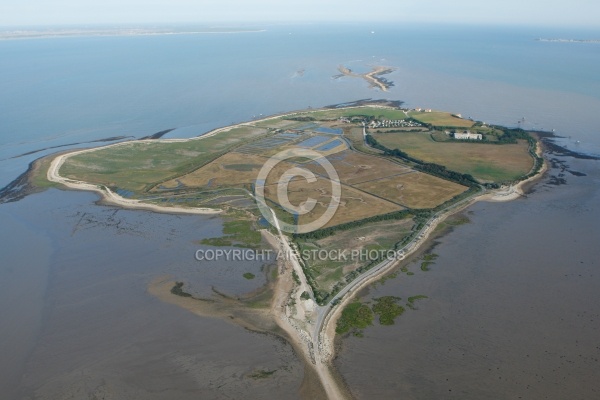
<point x="138" y="166"/>
<point x="382" y="113"/>
<point x="437" y="118"/>
<point x="486" y="162"/>
<point x="383" y="235"/>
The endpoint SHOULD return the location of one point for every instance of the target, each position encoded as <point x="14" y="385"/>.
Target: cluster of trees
<point x="325" y="232"/>
<point x="442" y="172"/>
<point x="510" y="136"/>
<point x="472" y="190"/>
<point x="301" y="118"/>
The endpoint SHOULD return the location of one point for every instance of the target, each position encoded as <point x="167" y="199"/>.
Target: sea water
<point x="74" y="274"/>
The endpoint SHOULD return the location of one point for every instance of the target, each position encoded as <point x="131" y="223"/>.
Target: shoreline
<point x="520" y="188"/>
<point x="516" y="191"/>
<point x="309" y="328"/>
<point x="112" y="198"/>
<point x="6" y="35"/>
<point x="373" y="78"/>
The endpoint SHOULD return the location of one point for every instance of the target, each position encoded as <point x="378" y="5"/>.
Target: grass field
<point x="440" y="119"/>
<point x="381" y="235"/>
<point x="414" y="190"/>
<point x="137" y="166"/>
<point x="486" y="162"/>
<point x="383" y="113"/>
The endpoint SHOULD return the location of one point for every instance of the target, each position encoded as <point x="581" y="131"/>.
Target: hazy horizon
<point x="576" y="14"/>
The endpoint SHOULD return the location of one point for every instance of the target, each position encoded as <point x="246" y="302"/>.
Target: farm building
<point x="466" y="135"/>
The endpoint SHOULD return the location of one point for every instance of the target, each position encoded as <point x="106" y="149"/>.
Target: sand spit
<point x="374" y="77"/>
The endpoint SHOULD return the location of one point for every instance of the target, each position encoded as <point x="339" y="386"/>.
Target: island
<point x="400" y="174"/>
<point x="558" y="40"/>
<point x="47" y="33"/>
<point x="374" y="77"/>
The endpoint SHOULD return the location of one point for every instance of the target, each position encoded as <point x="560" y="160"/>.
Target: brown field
<point x="230" y="170"/>
<point x="414" y="190"/>
<point x="486" y="162"/>
<point x="436" y="118"/>
<point x="354" y="204"/>
<point x="354" y="168"/>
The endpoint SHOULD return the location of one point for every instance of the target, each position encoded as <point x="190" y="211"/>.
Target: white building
<point x="466" y="135"/>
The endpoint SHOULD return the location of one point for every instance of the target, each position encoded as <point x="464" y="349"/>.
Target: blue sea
<point x="61" y="93"/>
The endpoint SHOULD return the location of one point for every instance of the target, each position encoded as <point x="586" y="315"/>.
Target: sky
<point x="573" y="13"/>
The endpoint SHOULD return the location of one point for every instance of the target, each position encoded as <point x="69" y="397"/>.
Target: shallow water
<point x="512" y="309"/>
<point x="85" y="323"/>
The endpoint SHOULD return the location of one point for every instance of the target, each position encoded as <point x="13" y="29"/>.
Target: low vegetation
<point x="355" y="317"/>
<point x="413" y="299"/>
<point x="178" y="290"/>
<point x="262" y="374"/>
<point x="237" y="232"/>
<point x="427" y="260"/>
<point x="387" y="309"/>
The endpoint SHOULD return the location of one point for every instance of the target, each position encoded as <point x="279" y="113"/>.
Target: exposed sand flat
<point x="371" y="77"/>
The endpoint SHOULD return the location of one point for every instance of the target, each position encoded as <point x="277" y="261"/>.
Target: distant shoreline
<point x="69" y="33"/>
<point x="568" y="40"/>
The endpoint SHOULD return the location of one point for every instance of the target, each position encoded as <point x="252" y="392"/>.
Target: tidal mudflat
<point x="511" y="309"/>
<point x="92" y="327"/>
